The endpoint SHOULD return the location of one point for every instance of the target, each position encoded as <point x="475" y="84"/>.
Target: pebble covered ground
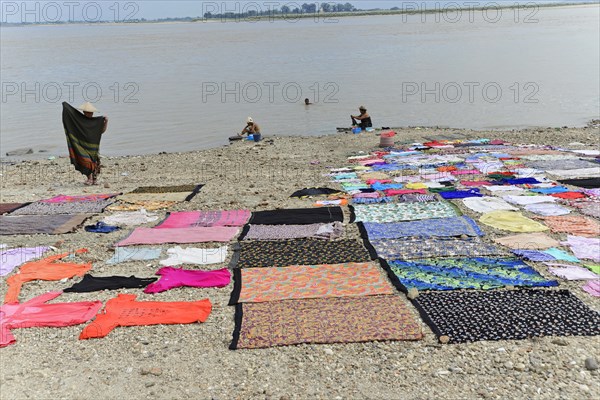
<point x="193" y="361"/>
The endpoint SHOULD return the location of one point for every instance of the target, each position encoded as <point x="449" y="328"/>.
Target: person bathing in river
<point x="363" y="120"/>
<point x="251" y="128"/>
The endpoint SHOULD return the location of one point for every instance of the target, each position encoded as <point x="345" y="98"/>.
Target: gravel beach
<point x="193" y="361"/>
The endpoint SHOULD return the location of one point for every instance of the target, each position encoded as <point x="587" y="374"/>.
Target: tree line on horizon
<point x="306" y="8"/>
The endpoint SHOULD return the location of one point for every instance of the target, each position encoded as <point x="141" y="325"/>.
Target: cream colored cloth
<point x="138" y="205"/>
<point x="169" y="196"/>
<point x="511" y="221"/>
<point x="528" y="241"/>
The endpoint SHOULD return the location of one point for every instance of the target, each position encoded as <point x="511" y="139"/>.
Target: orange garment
<point x="575" y="225"/>
<point x="123" y="310"/>
<point x="45" y="269"/>
<point x="447" y="169"/>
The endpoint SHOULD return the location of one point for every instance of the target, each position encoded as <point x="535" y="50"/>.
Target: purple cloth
<point x="461" y="194"/>
<point x="593" y="288"/>
<point x="521" y="181"/>
<point x="534" y="255"/>
<point x="10" y="259"/>
<point x="178" y="277"/>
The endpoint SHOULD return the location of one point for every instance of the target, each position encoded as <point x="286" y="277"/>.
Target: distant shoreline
<point x="291" y="16"/>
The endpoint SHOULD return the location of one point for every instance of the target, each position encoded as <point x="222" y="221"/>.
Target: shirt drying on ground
<point x="91" y="283"/>
<point x="177" y="277"/>
<point x="124" y="310"/>
<point x="45" y="269"/>
<point x="35" y="313"/>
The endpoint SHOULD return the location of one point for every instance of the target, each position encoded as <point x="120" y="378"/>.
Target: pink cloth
<point x="373" y="161"/>
<point x="373" y="195"/>
<point x="398" y="192"/>
<point x="372" y="181"/>
<point x="466" y="172"/>
<point x="584" y="247"/>
<point x="35" y="314"/>
<point x="188" y="219"/>
<point x="179" y="235"/>
<point x="571" y="272"/>
<point x="175" y="277"/>
<point x="476" y="183"/>
<point x="593" y="288"/>
<point x="72" y="199"/>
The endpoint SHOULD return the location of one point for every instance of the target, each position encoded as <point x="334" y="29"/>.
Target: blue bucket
<point x="256" y="137"/>
<point x="356" y="130"/>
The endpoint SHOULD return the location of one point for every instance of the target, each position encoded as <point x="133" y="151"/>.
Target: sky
<point x="119" y="10"/>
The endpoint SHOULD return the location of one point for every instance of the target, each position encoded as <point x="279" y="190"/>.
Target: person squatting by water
<point x="363" y="120"/>
<point x="252" y="128"/>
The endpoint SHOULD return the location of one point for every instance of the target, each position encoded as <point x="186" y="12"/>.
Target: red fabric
<point x="398" y="192"/>
<point x="45" y="269"/>
<point x="569" y="195"/>
<point x="501" y="173"/>
<point x="35" y="314"/>
<point x="124" y="310"/>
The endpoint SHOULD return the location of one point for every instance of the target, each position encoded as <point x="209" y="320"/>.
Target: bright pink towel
<point x="35" y="313"/>
<point x="74" y="199"/>
<point x="176" y="277"/>
<point x="188" y="219"/>
<point x="179" y="235"/>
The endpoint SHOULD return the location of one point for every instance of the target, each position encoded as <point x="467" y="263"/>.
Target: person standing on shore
<point x="84" y="132"/>
<point x="251" y="128"/>
<point x="363" y="120"/>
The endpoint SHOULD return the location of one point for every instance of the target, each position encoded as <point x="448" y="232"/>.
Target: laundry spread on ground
<point x="179" y="235"/>
<point x="298" y="252"/>
<point x="189" y="219"/>
<point x="171" y="278"/>
<point x="91" y="283"/>
<point x="34" y="224"/>
<point x="328" y="231"/>
<point x="299" y="278"/>
<point x="37" y="313"/>
<point x="12" y="258"/>
<point x="79" y="207"/>
<point x="453" y="226"/>
<point x="131" y="218"/>
<point x="257" y="285"/>
<point x="511" y="221"/>
<point x="299" y="216"/>
<point x="178" y="255"/>
<point x="470" y="316"/>
<point x="466" y="273"/>
<point x="334" y="320"/>
<point x="396" y="212"/>
<point x="47" y="269"/>
<point x="124" y="310"/>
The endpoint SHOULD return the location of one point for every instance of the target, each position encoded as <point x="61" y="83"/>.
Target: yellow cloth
<point x="511" y="221"/>
<point x="416" y="185"/>
<point x="169" y="196"/>
<point x="374" y="175"/>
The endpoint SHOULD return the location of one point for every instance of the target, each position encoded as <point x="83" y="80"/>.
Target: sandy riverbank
<point x="192" y="361"/>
